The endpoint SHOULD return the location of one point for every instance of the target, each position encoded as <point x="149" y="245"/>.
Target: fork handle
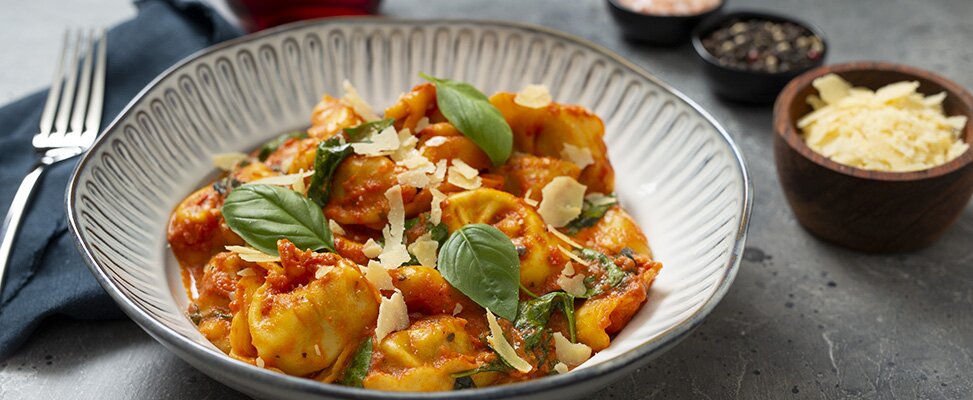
<point x="12" y="221"/>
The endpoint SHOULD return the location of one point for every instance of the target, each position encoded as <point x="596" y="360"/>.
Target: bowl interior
<point x="678" y="172"/>
<point x="874" y="75"/>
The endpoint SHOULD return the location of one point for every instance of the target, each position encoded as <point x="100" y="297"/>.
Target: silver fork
<point x="69" y="123"/>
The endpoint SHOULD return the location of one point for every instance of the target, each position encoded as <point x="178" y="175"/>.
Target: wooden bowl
<point x="872" y="211"/>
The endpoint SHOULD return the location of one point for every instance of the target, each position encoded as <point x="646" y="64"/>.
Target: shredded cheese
<point x="357" y="103"/>
<point x="533" y="96"/>
<point x="571" y="282"/>
<point x="563" y="237"/>
<point x="503" y="347"/>
<point x="378" y="276"/>
<point x="317" y="349"/>
<point x="251" y="254"/>
<point x="226" y="161"/>
<point x="560" y="368"/>
<point x="394" y="253"/>
<point x="416" y="179"/>
<point x="436" y="210"/>
<point x="381" y="144"/>
<point x="322" y="271"/>
<point x="393" y="315"/>
<point x="561" y="201"/>
<point x="435" y="141"/>
<point x="572" y="354"/>
<point x="463" y="175"/>
<point x="371" y="248"/>
<point x="422" y="124"/>
<point x="600" y="199"/>
<point x="571" y="255"/>
<point x="577" y="155"/>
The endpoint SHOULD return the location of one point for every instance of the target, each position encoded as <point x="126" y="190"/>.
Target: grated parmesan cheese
<point x="561" y="201"/>
<point x="894" y="128"/>
<point x="357" y="103"/>
<point x="322" y="271"/>
<point x="533" y="96"/>
<point x="580" y="156"/>
<point x="571" y="255"/>
<point x="424" y="248"/>
<point x="226" y="161"/>
<point x="416" y="179"/>
<point x="251" y="254"/>
<point x="563" y="237"/>
<point x="599" y="199"/>
<point x="336" y="228"/>
<point x="394" y="253"/>
<point x="381" y="144"/>
<point x="571" y="282"/>
<point x="317" y="349"/>
<point x="435" y="141"/>
<point x="422" y="124"/>
<point x="560" y="368"/>
<point x="377" y="275"/>
<point x="503" y="347"/>
<point x="436" y="210"/>
<point x="371" y="248"/>
<point x="572" y="354"/>
<point x="463" y="175"/>
<point x="393" y="315"/>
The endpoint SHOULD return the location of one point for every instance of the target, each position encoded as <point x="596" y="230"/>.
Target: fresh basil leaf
<point x="470" y="111"/>
<point x="367" y="129"/>
<point x="330" y="154"/>
<point x="590" y="215"/>
<point x="359" y="365"/>
<point x="533" y="316"/>
<point x="272" y="146"/>
<point x="613" y="273"/>
<point x="262" y="214"/>
<point x="481" y="262"/>
<point x="439" y="233"/>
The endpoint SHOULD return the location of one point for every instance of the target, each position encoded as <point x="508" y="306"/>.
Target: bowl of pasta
<point x="379" y="208"/>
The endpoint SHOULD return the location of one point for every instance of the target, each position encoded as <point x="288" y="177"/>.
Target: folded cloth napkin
<point x="46" y="275"/>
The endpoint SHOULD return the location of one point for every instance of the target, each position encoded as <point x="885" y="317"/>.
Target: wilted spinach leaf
<point x="358" y="366"/>
<point x="590" y="215"/>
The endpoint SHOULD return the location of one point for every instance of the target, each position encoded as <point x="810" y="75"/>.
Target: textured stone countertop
<point x="804" y="319"/>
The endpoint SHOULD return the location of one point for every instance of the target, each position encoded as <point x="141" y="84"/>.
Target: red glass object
<point x="256" y="15"/>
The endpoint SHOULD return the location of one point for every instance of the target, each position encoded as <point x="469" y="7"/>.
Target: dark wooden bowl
<point x="866" y="210"/>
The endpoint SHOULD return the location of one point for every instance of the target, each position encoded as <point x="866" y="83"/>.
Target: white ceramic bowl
<point x="678" y="172"/>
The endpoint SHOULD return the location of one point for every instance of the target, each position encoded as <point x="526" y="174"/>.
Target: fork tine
<point x="84" y="84"/>
<point x="47" y="117"/>
<point x="93" y="122"/>
<point x="61" y="122"/>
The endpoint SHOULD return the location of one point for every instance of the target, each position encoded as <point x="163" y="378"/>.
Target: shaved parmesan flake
<point x="435" y="141"/>
<point x="463" y="175"/>
<point x="436" y="210"/>
<point x="894" y="128"/>
<point x="226" y="161"/>
<point x="424" y="248"/>
<point x="384" y="143"/>
<point x="440" y="174"/>
<point x="407" y="146"/>
<point x="394" y="253"/>
<point x="533" y="96"/>
<point x="371" y="248"/>
<point x="259" y="362"/>
<point x="298" y="185"/>
<point x="572" y="354"/>
<point x="599" y="199"/>
<point x="251" y="254"/>
<point x="317" y="349"/>
<point x="416" y="179"/>
<point x="503" y="347"/>
<point x="378" y="276"/>
<point x="282" y="180"/>
<point x="417" y="162"/>
<point x="336" y="228"/>
<point x="322" y="271"/>
<point x="580" y="156"/>
<point x="563" y="237"/>
<point x="571" y="282"/>
<point x="560" y="368"/>
<point x="530" y="202"/>
<point x="392" y="316"/>
<point x="246" y="272"/>
<point x="357" y="103"/>
<point x="458" y="309"/>
<point x="561" y="201"/>
<point x="571" y="255"/>
<point x="422" y="124"/>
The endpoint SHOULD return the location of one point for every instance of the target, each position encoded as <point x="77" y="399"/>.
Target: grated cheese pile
<point x="893" y="128"/>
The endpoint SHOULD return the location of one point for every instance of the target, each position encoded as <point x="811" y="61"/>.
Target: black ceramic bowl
<point x="746" y="86"/>
<point x="663" y="30"/>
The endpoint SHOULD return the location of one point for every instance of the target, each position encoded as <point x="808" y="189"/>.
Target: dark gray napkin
<point x="47" y="275"/>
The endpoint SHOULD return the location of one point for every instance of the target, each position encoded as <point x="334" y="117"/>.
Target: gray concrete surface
<point x="804" y="320"/>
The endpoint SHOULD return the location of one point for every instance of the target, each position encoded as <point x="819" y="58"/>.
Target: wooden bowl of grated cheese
<point x="886" y="169"/>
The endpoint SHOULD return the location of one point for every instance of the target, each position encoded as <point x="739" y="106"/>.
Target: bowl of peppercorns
<point x="749" y="56"/>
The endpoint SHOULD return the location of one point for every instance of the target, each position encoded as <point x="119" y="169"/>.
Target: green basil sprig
<point x="358" y="366"/>
<point x="481" y="262"/>
<point x="262" y="214"/>
<point x="272" y="146"/>
<point x="590" y="215"/>
<point x="534" y="314"/>
<point x="470" y="111"/>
